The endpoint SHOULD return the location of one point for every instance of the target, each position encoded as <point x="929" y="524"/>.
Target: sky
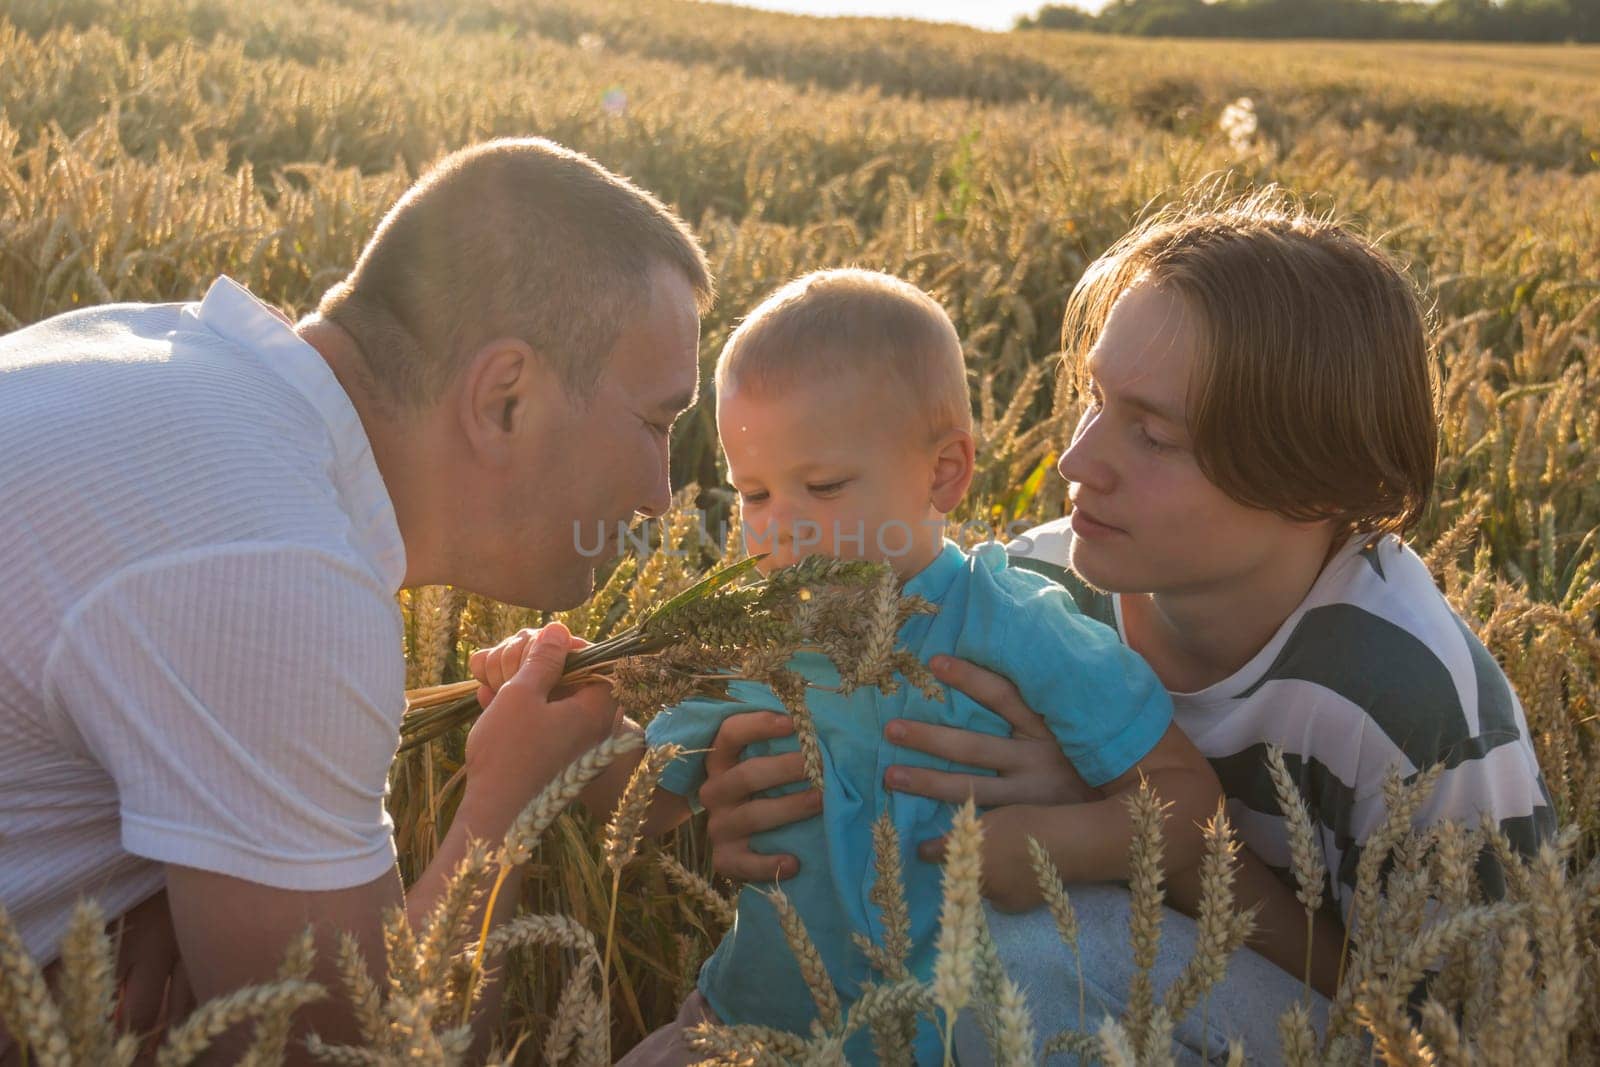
<point x="988" y="14"/>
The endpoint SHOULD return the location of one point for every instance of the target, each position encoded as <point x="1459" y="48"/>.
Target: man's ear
<point x="953" y="461"/>
<point x="498" y="386"/>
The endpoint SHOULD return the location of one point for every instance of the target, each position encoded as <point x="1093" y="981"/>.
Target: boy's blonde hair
<point x="1313" y="390"/>
<point x="850" y="324"/>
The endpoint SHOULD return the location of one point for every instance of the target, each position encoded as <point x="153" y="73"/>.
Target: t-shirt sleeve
<point x="246" y="701"/>
<point x="1104" y="704"/>
<point x="692" y="725"/>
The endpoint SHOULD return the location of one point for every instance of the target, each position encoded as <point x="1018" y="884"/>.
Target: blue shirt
<point x="1103" y="703"/>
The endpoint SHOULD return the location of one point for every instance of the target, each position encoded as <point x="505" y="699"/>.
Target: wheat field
<point x="149" y="145"/>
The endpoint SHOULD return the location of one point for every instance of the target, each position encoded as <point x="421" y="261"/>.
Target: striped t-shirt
<point x="1372" y="671"/>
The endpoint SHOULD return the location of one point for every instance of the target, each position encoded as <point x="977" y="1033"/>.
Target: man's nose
<point x="659" y="498"/>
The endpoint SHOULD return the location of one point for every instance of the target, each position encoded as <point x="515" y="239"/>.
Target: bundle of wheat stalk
<point x="722" y="630"/>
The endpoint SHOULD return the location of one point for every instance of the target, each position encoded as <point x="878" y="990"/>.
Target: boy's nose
<point x="784" y="518"/>
<point x="759" y="537"/>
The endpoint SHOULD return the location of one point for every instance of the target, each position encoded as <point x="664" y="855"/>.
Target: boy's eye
<point x="752" y="498"/>
<point x="829" y="488"/>
<point x="662" y="428"/>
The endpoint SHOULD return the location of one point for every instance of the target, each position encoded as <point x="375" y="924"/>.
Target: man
<point x="205" y="515"/>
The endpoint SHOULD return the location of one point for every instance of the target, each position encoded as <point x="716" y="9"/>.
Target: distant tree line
<point x="1479" y="20"/>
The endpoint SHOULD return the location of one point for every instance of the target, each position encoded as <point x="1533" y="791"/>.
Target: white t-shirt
<point x="200" y="649"/>
<point x="1373" y="671"/>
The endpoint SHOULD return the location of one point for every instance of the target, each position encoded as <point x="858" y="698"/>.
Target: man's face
<point x="827" y="469"/>
<point x="596" y="465"/>
<point x="1145" y="519"/>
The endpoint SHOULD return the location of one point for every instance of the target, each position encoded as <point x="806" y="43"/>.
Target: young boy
<point x="844" y="413"/>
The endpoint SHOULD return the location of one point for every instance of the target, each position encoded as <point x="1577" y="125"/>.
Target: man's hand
<point x="493" y="667"/>
<point x="1030" y="766"/>
<point x="735" y="813"/>
<point x="530" y="728"/>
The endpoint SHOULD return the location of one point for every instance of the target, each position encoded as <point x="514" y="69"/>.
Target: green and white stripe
<point x="1373" y="671"/>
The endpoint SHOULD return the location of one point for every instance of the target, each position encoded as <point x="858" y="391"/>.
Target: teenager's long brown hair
<point x="1313" y="393"/>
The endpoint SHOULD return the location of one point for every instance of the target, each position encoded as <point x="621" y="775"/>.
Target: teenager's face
<point x="827" y="469"/>
<point x="1145" y="519"/>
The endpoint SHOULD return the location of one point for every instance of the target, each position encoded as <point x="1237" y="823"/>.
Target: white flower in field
<point x="1240" y="123"/>
<point x="1239" y="116"/>
<point x="591" y="42"/>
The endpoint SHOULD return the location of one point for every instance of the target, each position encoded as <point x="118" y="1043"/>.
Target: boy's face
<point x="1145" y="518"/>
<point x="830" y="469"/>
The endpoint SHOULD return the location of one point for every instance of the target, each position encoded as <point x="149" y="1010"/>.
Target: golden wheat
<point x="145" y="148"/>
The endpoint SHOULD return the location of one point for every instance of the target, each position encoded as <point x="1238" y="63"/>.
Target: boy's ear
<point x="953" y="461"/>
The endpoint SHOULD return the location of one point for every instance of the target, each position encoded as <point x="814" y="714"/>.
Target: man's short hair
<point x="854" y="326"/>
<point x="1313" y="392"/>
<point x="517" y="237"/>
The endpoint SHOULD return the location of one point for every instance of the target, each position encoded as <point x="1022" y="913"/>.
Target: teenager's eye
<point x="828" y="489"/>
<point x="664" y="429"/>
<point x="1152" y="444"/>
<point x="752" y="498"/>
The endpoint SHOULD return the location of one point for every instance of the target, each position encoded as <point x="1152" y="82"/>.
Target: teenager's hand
<point x="735" y="813"/>
<point x="1030" y="766"/>
<point x="1008" y="879"/>
<point x="530" y="728"/>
